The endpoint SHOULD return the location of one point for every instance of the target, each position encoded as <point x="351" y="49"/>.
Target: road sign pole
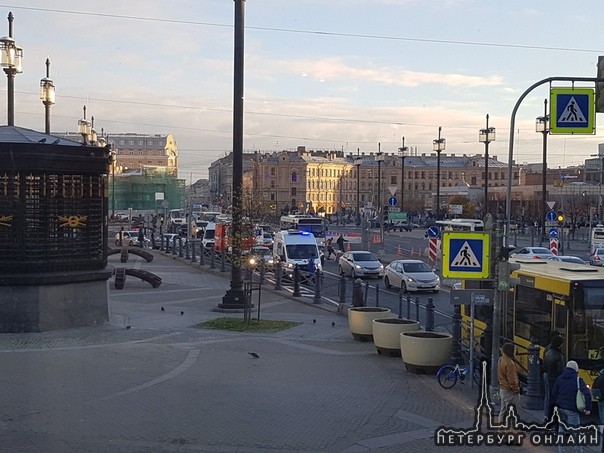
<point x="497" y="306"/>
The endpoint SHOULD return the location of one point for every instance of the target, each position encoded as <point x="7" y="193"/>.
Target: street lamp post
<point x="379" y="158"/>
<point x="10" y="60"/>
<point x="542" y="126"/>
<point x="358" y="162"/>
<point x="401" y="152"/>
<point x="438" y="145"/>
<point x="47" y="95"/>
<point x="486" y="136"/>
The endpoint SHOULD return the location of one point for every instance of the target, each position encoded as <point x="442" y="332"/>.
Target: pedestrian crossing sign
<point x="572" y="111"/>
<point x="466" y="255"/>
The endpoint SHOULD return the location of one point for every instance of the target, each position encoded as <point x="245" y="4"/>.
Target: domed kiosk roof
<point x="14" y="134"/>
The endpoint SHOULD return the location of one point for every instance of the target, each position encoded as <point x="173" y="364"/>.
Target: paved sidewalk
<point x="150" y="381"/>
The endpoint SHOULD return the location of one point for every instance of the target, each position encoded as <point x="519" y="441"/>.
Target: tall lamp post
<point x="486" y="136"/>
<point x="542" y="126"/>
<point x="358" y="161"/>
<point x="401" y="152"/>
<point x="47" y="95"/>
<point x="438" y="145"/>
<point x="10" y="60"/>
<point x="379" y="158"/>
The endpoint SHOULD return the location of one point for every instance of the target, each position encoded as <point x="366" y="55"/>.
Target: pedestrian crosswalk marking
<point x="572" y="113"/>
<point x="466" y="257"/>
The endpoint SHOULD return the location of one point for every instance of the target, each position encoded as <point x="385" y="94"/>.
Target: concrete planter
<point x="387" y="334"/>
<point x="360" y="321"/>
<point x="425" y="352"/>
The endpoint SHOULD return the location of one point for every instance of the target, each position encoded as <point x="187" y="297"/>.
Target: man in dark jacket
<point x="553" y="365"/>
<point x="564" y="395"/>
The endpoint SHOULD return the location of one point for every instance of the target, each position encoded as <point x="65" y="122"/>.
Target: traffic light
<point x="600" y="86"/>
<point x="505" y="279"/>
<point x="386" y="217"/>
<point x="560" y="218"/>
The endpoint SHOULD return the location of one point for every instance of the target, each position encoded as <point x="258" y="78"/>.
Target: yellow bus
<point x="552" y="297"/>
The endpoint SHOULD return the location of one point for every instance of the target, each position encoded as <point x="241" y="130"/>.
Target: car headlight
<point x="290" y="265"/>
<point x="271" y="261"/>
<point x="409" y="279"/>
<point x="381" y="267"/>
<point x="357" y="266"/>
<point x="252" y="261"/>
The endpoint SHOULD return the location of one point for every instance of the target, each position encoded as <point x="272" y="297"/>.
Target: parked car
<point x="411" y="275"/>
<point x="566" y="259"/>
<point x="265" y="239"/>
<point x="597" y="257"/>
<point x="258" y="254"/>
<point x="360" y="264"/>
<point x="403" y="225"/>
<point x="531" y="252"/>
<point x="169" y="241"/>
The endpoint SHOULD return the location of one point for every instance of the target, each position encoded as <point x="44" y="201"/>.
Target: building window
<point x="393" y="179"/>
<point x="293" y="192"/>
<point x="272" y="184"/>
<point x="273" y="171"/>
<point x="294" y="176"/>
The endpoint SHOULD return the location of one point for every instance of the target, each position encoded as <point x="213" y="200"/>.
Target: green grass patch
<point x="239" y="325"/>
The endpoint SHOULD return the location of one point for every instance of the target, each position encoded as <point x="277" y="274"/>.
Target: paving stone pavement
<point x="150" y="381"/>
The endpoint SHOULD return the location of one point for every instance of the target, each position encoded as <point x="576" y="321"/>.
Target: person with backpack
<point x="553" y="366"/>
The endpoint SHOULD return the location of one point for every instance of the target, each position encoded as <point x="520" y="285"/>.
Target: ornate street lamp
<point x="379" y="158"/>
<point x="47" y="95"/>
<point x="358" y="161"/>
<point x="486" y="136"/>
<point x="542" y="126"/>
<point x="439" y="144"/>
<point x="10" y="60"/>
<point x="401" y="152"/>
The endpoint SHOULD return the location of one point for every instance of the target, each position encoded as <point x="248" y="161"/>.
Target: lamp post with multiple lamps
<point x="438" y="145"/>
<point x="47" y="95"/>
<point x="542" y="126"/>
<point x="379" y="158"/>
<point x="486" y="136"/>
<point x="401" y="152"/>
<point x="10" y="60"/>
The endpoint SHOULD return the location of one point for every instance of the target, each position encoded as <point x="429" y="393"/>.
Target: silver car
<point x="411" y="275"/>
<point x="597" y="257"/>
<point x="360" y="264"/>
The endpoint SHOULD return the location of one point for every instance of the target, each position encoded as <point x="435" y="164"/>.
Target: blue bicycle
<point x="448" y="375"/>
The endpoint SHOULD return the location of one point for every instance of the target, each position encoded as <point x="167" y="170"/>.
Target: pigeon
<point x="182" y="313"/>
<point x="56" y="142"/>
<point x="314" y="321"/>
<point x="254" y="355"/>
<point x="163" y="309"/>
<point x="128" y="327"/>
<point x="333" y="324"/>
<point x="42" y="140"/>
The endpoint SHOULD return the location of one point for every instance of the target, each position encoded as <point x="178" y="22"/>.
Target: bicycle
<point x="448" y="375"/>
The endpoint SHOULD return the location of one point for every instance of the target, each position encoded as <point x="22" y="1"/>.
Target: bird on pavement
<point x="182" y="313"/>
<point x="333" y="324"/>
<point x="254" y="355"/>
<point x="314" y="321"/>
<point x="163" y="309"/>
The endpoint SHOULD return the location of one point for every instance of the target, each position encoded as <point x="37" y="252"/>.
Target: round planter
<point x="387" y="334"/>
<point x="425" y="352"/>
<point x="360" y="321"/>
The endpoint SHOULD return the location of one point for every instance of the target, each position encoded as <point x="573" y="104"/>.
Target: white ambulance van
<point x="295" y="247"/>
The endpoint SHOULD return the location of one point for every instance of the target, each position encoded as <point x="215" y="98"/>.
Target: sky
<point x="351" y="75"/>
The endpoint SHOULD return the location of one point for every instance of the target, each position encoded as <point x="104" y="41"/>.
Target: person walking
<point x="553" y="366"/>
<point x="507" y="374"/>
<point x="340" y="243"/>
<point x="564" y="395"/>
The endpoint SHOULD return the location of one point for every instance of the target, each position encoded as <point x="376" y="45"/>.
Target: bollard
<point x="193" y="257"/>
<point x="187" y="254"/>
<point x="456" y="345"/>
<point x="532" y="399"/>
<point x="400" y="304"/>
<point x="202" y="259"/>
<point x="278" y="275"/>
<point x="317" y="297"/>
<point x="261" y="270"/>
<point x="343" y="290"/>
<point x="430" y="315"/>
<point x="357" y="293"/>
<point x="222" y="258"/>
<point x="212" y="258"/>
<point x="174" y="246"/>
<point x="416" y="308"/>
<point x="408" y="305"/>
<point x="377" y="295"/>
<point x="297" y="292"/>
<point x="180" y="254"/>
<point x="366" y="293"/>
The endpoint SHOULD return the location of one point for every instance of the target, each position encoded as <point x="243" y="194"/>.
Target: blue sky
<point x="338" y="74"/>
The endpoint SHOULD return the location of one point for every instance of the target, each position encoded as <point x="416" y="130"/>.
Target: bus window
<point x="533" y="315"/>
<point x="587" y="324"/>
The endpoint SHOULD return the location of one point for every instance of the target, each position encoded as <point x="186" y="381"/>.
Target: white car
<point x="411" y="275"/>
<point x="566" y="259"/>
<point x="532" y="253"/>
<point x="265" y="239"/>
<point x="128" y="238"/>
